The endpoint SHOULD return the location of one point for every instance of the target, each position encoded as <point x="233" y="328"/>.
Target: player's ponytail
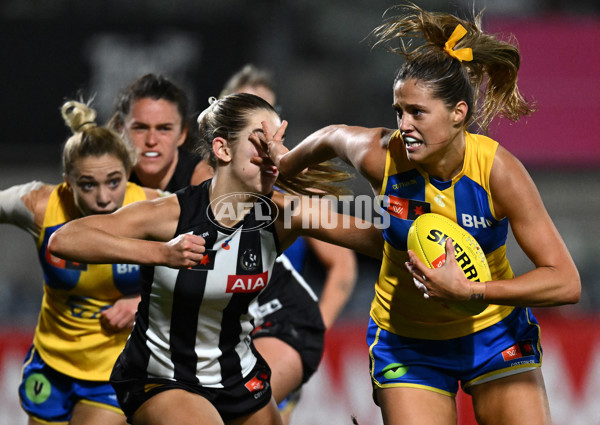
<point x="458" y="61"/>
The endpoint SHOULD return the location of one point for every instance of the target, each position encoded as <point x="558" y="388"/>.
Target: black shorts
<point x="247" y="396"/>
<point x="289" y="310"/>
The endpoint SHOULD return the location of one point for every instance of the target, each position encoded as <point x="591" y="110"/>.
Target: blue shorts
<point x="510" y="346"/>
<point x="50" y="396"/>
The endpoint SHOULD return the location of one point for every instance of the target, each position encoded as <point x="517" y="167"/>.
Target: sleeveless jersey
<point x="68" y="336"/>
<point x="407" y="192"/>
<point x="193" y="325"/>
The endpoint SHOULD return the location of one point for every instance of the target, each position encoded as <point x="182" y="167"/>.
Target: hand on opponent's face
<point x="269" y="145"/>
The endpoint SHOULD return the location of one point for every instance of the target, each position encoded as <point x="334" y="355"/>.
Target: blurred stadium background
<point x="326" y="73"/>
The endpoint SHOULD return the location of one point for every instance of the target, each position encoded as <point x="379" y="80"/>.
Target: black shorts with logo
<point x="247" y="396"/>
<point x="289" y="310"/>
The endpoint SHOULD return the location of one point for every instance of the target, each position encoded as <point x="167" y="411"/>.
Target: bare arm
<point x="154" y="193"/>
<point x="362" y="148"/>
<point x="554" y="280"/>
<point x="314" y="217"/>
<point x="24" y="205"/>
<point x="341" y="272"/>
<point x="139" y="233"/>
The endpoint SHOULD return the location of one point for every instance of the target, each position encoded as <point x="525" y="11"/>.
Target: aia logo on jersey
<point x="246" y="283"/>
<point x="521" y="349"/>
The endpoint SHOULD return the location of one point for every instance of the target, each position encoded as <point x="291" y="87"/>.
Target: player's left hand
<point x="121" y="315"/>
<point x="447" y="282"/>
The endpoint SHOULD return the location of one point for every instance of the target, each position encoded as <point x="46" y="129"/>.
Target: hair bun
<point x="77" y="115"/>
<point x="211" y="101"/>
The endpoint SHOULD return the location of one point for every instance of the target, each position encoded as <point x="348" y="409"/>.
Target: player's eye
<point x="86" y="186"/>
<point x="114" y="183"/>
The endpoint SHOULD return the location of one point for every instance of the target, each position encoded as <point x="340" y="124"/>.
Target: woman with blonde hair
<point x="87" y="309"/>
<point x="422" y="343"/>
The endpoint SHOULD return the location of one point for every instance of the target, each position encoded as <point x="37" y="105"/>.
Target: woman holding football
<point x="420" y="348"/>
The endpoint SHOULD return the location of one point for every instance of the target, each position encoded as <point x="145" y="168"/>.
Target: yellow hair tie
<point x="465" y="54"/>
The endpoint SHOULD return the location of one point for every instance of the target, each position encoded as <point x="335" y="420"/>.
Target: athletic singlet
<point x="193" y="325"/>
<point x="408" y="192"/>
<point x="68" y="335"/>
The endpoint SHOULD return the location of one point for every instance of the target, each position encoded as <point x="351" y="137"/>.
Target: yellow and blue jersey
<point x="69" y="337"/>
<point x="407" y="192"/>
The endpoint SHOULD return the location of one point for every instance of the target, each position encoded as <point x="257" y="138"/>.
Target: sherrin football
<point x="427" y="239"/>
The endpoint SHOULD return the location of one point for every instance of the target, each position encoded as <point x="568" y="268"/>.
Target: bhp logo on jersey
<point x="247" y="283"/>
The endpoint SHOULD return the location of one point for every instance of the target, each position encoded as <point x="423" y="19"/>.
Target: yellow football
<point x="427" y="239"/>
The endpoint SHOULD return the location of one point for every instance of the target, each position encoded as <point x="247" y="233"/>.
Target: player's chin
<point x="267" y="180"/>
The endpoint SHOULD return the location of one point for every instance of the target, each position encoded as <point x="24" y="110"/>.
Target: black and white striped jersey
<point x="193" y="325"/>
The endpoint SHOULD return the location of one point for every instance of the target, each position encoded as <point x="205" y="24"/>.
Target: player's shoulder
<point x="369" y="154"/>
<point x="37" y="197"/>
<point x="506" y="166"/>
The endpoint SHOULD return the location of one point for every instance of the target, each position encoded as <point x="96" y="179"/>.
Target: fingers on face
<point x="281" y="131"/>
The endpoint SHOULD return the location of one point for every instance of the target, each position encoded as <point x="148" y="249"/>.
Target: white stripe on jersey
<point x="160" y="309"/>
<point x="288" y="265"/>
<point x="210" y="314"/>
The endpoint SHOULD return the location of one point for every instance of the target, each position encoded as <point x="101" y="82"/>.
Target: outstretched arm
<point x="139" y="233"/>
<point x="24" y="205"/>
<point x="362" y="148"/>
<point x="315" y="217"/>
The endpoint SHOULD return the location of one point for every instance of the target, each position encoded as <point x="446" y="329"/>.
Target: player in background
<point x="189" y="358"/>
<point x="152" y="114"/>
<point x="454" y="76"/>
<point x="87" y="309"/>
<point x="290" y="336"/>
